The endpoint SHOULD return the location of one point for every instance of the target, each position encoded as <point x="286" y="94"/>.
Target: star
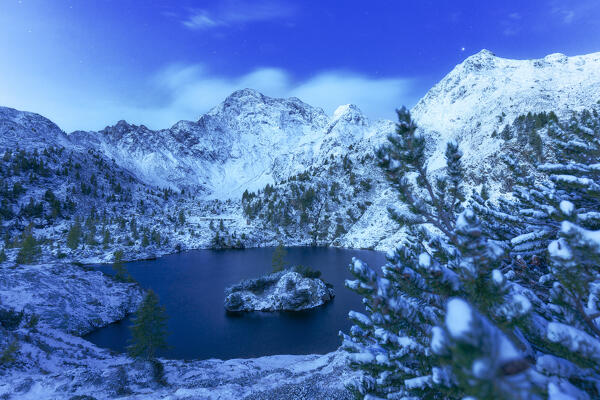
<point x="462" y="49"/>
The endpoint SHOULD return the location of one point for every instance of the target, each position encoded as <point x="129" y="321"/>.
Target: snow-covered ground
<point x="66" y="296"/>
<point x="60" y="366"/>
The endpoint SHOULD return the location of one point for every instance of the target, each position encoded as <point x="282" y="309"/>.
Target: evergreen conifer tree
<point x="145" y="240"/>
<point x="121" y="273"/>
<point x="149" y="329"/>
<point x="447" y="256"/>
<point x="550" y="232"/>
<point x="74" y="235"/>
<point x="561" y="246"/>
<point x="278" y="259"/>
<point x="30" y="250"/>
<point x="134" y="231"/>
<point x="106" y="238"/>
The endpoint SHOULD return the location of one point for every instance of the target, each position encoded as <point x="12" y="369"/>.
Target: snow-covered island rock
<point x="286" y="290"/>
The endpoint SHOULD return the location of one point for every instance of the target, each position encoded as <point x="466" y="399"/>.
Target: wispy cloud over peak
<point x="512" y="24"/>
<point x="189" y="90"/>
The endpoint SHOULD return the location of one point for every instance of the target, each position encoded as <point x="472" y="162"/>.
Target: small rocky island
<point x="292" y="289"/>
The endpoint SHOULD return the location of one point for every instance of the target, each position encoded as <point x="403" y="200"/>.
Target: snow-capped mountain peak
<point x="484" y="60"/>
<point x="243" y="143"/>
<point x="350" y="113"/>
<point x="485" y="92"/>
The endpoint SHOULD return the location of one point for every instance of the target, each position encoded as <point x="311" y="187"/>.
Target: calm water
<point x="190" y="285"/>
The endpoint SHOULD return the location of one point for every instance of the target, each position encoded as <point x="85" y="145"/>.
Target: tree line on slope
<point x="322" y="202"/>
<point x="487" y="298"/>
<point x="66" y="201"/>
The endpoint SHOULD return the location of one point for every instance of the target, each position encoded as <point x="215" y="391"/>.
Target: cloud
<point x="512" y="24"/>
<point x="377" y="98"/>
<point x="201" y="20"/>
<point x="235" y="12"/>
<point x="184" y="92"/>
<point x="565" y="15"/>
<point x="568" y="13"/>
<point x="192" y="90"/>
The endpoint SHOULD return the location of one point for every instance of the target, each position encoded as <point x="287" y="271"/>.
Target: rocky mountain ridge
<point x="251" y="140"/>
<point x="246" y="142"/>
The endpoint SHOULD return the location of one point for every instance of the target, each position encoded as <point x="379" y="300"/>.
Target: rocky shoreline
<point x="62" y="301"/>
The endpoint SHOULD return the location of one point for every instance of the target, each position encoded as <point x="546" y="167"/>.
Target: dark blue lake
<point x="191" y="287"/>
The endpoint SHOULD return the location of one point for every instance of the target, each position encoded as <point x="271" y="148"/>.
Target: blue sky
<point x="86" y="64"/>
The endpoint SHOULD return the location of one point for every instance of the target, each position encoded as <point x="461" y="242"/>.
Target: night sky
<point x="87" y="64"/>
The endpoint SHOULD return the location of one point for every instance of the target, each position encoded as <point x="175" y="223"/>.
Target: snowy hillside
<point x="28" y="130"/>
<point x="486" y="92"/>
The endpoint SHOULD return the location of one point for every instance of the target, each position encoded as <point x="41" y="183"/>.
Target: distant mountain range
<point x="251" y="140"/>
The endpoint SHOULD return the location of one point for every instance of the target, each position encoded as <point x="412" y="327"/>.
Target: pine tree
<point x="106" y="238"/>
<point x="552" y="238"/>
<point x="479" y="345"/>
<point x="564" y="235"/>
<point x="90" y="237"/>
<point x="2" y="255"/>
<point x="219" y="240"/>
<point x="134" y="231"/>
<point x="149" y="329"/>
<point x="446" y="256"/>
<point x="485" y="193"/>
<point x="428" y="202"/>
<point x="121" y="273"/>
<point x="30" y="250"/>
<point x="74" y="235"/>
<point x="145" y="240"/>
<point x="278" y="259"/>
<point x="506" y="134"/>
<point x="391" y="344"/>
